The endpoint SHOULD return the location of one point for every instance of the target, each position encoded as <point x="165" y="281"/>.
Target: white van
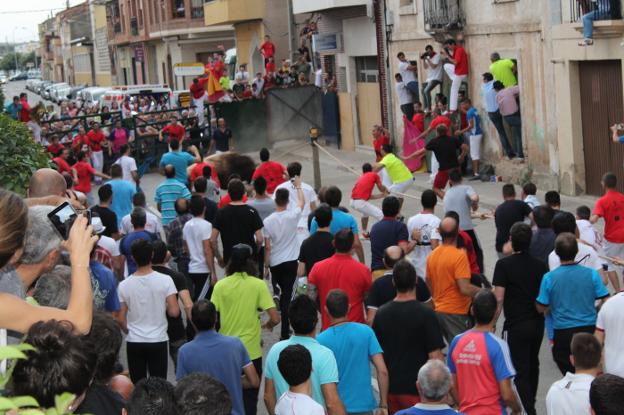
<point x="119" y="93"/>
<point x="91" y="96"/>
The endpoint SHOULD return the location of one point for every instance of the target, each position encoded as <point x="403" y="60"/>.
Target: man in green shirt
<point x="237" y="298"/>
<point x="504" y="70"/>
<point x="401" y="176"/>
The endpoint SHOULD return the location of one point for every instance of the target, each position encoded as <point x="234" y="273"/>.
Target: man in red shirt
<point x="344" y="272"/>
<point x="380" y="139"/>
<point x="198" y="95"/>
<point x="362" y="193"/>
<point x="419" y="116"/>
<point x="174" y="130"/>
<point x="273" y="172"/>
<point x="610" y="207"/>
<point x="54" y="148"/>
<point x="457" y="68"/>
<point x="80" y="141"/>
<point x="25" y="113"/>
<point x="61" y="163"/>
<point x="84" y="172"/>
<point x="95" y="138"/>
<point x="199" y="169"/>
<point x="267" y="48"/>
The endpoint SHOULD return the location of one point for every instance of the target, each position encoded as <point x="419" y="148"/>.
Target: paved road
<point x="341" y="177"/>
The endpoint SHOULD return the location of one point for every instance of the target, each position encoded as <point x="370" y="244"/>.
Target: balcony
<point x="443" y="16"/>
<point x="219" y="12"/>
<point x="607" y="16"/>
<point x="310" y="6"/>
<point x="134" y="26"/>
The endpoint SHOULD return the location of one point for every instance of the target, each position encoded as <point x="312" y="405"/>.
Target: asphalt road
<point x="339" y="176"/>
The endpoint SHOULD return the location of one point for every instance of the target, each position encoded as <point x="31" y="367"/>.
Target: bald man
<point x="47" y="182"/>
<point x="383" y="290"/>
<point x="448" y="276"/>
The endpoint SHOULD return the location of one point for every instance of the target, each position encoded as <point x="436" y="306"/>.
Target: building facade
<point x="558" y="79"/>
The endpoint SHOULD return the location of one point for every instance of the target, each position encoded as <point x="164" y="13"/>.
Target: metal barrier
<point x="81" y="119"/>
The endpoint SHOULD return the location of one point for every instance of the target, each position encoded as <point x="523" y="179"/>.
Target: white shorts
<point x="367" y="209"/>
<point x="402" y="187"/>
<point x="475" y="147"/>
<point x="613" y="250"/>
<point x="385" y="179"/>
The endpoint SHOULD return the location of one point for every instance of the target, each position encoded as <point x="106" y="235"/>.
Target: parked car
<point x="3" y="80"/>
<point x="75" y="91"/>
<point x="119" y="93"/>
<point x="43" y="85"/>
<point x="19" y="77"/>
<point x="92" y="95"/>
<point x="49" y="92"/>
<point x="60" y="93"/>
<point x="33" y="84"/>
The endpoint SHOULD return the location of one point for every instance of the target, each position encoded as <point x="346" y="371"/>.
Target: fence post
<point x="315" y="158"/>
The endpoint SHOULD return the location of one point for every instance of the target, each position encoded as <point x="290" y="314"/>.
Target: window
<point x="178" y="10"/>
<point x="366" y="69"/>
<point x="407" y="7"/>
<point x="197" y="9"/>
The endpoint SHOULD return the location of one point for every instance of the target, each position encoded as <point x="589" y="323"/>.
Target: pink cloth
<point x="120" y="138"/>
<point x="506" y="100"/>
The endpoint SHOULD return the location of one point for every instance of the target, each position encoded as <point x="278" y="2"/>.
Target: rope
<point x="355" y="172"/>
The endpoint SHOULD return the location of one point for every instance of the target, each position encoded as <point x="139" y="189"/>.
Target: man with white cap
<point x="107" y="250"/>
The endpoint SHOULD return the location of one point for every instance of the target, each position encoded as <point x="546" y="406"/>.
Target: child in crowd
<point x="295" y="365"/>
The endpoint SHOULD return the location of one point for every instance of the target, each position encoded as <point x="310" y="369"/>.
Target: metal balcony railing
<point x="134" y="26"/>
<point x="602" y="9"/>
<point x="443" y="15"/>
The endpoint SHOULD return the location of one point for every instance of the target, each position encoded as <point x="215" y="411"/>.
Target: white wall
<point x="359" y="36"/>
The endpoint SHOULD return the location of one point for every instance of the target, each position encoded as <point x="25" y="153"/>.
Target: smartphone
<point x="63" y="218"/>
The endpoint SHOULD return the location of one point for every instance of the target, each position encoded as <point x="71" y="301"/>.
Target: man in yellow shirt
<point x="401" y="176"/>
<point x="504" y="70"/>
<point x="237" y="298"/>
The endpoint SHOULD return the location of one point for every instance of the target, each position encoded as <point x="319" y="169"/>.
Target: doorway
<point x="601" y="106"/>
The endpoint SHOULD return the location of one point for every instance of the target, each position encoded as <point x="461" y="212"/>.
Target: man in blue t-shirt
<point x="434" y="384"/>
<point x="388" y="232"/>
<point x="138" y="218"/>
<point x="615" y="129"/>
<point x="340" y="220"/>
<point x="180" y="160"/>
<point x="222" y="357"/>
<point x="475" y="134"/>
<point x="569" y="293"/>
<point x="123" y="192"/>
<point x="355" y="346"/>
<point x="104" y="287"/>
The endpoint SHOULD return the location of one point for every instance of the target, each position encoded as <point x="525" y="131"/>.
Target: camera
<point x="424" y="55"/>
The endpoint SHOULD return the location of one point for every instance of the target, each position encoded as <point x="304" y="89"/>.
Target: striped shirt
<point x="166" y="194"/>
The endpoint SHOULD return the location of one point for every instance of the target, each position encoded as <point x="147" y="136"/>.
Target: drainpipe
<point x="385" y="85"/>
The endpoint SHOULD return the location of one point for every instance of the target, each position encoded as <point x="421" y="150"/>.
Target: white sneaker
<point x="586" y="42"/>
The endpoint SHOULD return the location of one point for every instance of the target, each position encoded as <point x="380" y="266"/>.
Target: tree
<point x="20" y="156"/>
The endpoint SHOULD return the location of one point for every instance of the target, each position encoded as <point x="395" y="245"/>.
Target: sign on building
<point x="188" y="69"/>
<point x="327" y="42"/>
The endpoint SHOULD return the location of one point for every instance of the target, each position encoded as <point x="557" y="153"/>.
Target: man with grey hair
<point x="41" y="253"/>
<point x="53" y="288"/>
<point x="434" y="383"/>
<point x="138" y="219"/>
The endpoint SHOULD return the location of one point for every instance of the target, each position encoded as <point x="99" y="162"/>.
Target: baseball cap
<point x="241" y="252"/>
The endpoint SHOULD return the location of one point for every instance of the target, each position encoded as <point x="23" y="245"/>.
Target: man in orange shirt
<point x="448" y="276"/>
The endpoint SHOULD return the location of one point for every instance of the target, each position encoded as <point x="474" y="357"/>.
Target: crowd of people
<point x="420" y="318"/>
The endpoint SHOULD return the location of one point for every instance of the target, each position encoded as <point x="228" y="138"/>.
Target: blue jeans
<point x="515" y="122"/>
<point x="497" y="120"/>
<point x="413" y="88"/>
<point x="602" y="12"/>
<point x="427" y="87"/>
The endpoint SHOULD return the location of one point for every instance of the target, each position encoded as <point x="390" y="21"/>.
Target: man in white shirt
<point x="196" y="234"/>
<point x="152" y="223"/>
<point x="423" y="228"/>
<point x="309" y="195"/>
<point x="408" y="71"/>
<point x="242" y="74"/>
<point x="146" y="298"/>
<point x="431" y="62"/>
<point x="295" y="365"/>
<point x="405" y="97"/>
<point x="570" y="395"/>
<point x="128" y="165"/>
<point x="610" y="332"/>
<point x="280" y="247"/>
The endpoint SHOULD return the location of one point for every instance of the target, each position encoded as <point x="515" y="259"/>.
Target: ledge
<point x="603" y="28"/>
